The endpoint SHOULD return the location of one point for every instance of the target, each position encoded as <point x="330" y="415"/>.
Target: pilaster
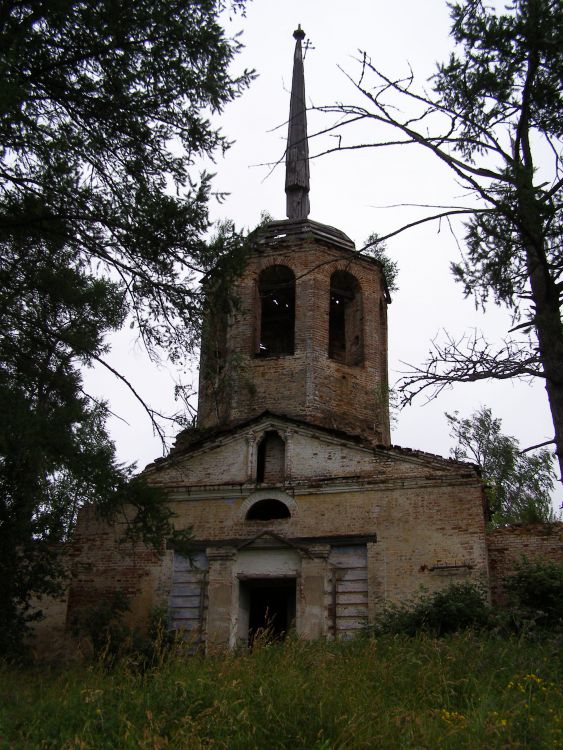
<point x="311" y="616"/>
<point x="220" y="598"/>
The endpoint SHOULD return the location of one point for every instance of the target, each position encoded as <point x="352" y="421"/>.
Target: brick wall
<point x="307" y="384"/>
<point x="102" y="564"/>
<point x="508" y="545"/>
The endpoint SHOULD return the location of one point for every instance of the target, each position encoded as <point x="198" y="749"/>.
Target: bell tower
<point x="307" y="336"/>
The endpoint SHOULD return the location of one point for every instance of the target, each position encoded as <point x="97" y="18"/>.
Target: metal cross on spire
<point x="297" y="153"/>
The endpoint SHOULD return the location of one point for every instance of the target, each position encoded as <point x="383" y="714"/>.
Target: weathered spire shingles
<point x="297" y="155"/>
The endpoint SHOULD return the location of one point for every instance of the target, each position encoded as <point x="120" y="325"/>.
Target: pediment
<point x="269" y="540"/>
<point x="313" y="453"/>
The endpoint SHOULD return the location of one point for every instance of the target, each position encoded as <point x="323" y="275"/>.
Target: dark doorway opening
<point x="271" y="607"/>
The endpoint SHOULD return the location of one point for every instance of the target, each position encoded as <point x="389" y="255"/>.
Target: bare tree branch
<point x="466" y="360"/>
<point x="539" y="445"/>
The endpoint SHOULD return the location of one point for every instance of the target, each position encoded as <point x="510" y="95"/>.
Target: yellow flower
<point x="452" y="717"/>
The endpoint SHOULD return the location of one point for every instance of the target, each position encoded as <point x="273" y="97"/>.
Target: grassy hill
<point x="463" y="691"/>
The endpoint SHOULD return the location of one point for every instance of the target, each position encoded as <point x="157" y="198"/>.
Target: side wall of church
<point x="102" y="564"/>
<point x="509" y="545"/>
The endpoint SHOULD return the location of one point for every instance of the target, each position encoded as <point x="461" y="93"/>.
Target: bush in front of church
<point x="460" y="606"/>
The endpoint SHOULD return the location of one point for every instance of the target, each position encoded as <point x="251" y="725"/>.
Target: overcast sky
<point x="350" y="191"/>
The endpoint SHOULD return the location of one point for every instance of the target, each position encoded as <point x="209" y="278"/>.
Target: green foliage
<point x="518" y="485"/>
<point x="460" y="692"/>
<point x="102" y="222"/>
<point x="102" y="623"/>
<point x="113" y="642"/>
<point x="494" y="118"/>
<point x="377" y="249"/>
<point x="457" y="607"/>
<point x="503" y="56"/>
<point x="505" y="91"/>
<point x="535" y="593"/>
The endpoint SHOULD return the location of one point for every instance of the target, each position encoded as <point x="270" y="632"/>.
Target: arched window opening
<point x="345" y="339"/>
<point x="270" y="464"/>
<point x="276" y="287"/>
<point x="268" y="510"/>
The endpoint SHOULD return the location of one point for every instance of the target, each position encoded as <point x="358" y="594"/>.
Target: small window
<point x="276" y="287"/>
<point x="270" y="462"/>
<point x="345" y="319"/>
<point x="268" y="510"/>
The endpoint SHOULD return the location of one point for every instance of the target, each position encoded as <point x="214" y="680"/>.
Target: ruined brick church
<point x="303" y="514"/>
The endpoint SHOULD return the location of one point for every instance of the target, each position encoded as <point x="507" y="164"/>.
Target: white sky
<point x="348" y="191"/>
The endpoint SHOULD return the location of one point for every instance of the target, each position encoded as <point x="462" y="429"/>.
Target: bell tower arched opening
<point x="276" y="289"/>
<point x="345" y="335"/>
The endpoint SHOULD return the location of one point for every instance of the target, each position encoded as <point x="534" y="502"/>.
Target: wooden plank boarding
<point x="347" y="597"/>
<point x="188" y="597"/>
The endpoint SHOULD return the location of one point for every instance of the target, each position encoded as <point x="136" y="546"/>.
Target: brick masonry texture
<point x="508" y="545"/>
<point x="101" y="563"/>
<point x="306" y="384"/>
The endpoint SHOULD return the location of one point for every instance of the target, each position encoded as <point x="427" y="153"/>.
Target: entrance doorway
<point x="267" y="605"/>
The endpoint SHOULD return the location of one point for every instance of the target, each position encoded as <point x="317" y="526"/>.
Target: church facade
<point x="302" y="512"/>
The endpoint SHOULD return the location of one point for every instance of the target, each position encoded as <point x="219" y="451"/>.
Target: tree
<point x="377" y="249"/>
<point x="495" y="119"/>
<point x="518" y="486"/>
<point x="103" y="112"/>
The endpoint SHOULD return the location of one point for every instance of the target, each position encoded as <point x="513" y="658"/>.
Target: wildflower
<point x="452" y="717"/>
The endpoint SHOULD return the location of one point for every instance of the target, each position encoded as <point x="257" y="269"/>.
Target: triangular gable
<point x="270" y="540"/>
<point x="313" y="453"/>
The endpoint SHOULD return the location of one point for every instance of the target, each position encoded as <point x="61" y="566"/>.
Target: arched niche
<point x="345" y="334"/>
<point x="276" y="325"/>
<point x="270" y="459"/>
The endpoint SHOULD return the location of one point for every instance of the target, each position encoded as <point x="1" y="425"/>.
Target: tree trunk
<point x="550" y="341"/>
<point x="547" y="318"/>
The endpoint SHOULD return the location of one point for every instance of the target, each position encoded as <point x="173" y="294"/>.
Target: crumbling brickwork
<point x="509" y="544"/>
<point x="101" y="564"/>
<point x="307" y="384"/>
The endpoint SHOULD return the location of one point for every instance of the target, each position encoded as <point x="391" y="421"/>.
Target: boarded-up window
<point x="188" y="597"/>
<point x="345" y="334"/>
<point x="276" y="287"/>
<point x="270" y="462"/>
<point x="347" y="597"/>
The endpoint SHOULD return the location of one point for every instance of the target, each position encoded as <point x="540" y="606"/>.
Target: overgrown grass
<point x="461" y="691"/>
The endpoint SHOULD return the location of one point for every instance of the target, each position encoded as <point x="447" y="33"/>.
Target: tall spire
<point x="297" y="154"/>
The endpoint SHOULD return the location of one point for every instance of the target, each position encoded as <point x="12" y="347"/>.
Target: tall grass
<point x="463" y="691"/>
